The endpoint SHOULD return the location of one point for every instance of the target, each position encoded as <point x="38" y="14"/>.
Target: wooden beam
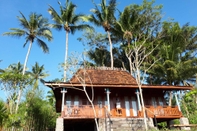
<point x="69" y="85"/>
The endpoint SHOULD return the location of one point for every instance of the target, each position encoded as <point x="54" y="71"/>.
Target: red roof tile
<point x="103" y="76"/>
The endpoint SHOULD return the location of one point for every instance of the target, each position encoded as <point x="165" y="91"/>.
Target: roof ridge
<point x="104" y="68"/>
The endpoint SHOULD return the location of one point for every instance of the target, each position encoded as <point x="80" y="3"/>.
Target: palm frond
<point x="93" y="19"/>
<point x="33" y="21"/>
<point x="58" y="27"/>
<point x="80" y="27"/>
<point x="43" y="22"/>
<point x="61" y="7"/>
<point x="100" y="16"/>
<point x="69" y="12"/>
<point x="55" y="16"/>
<point x="43" y="45"/>
<point x="111" y="10"/>
<point x="77" y="18"/>
<point x="16" y="32"/>
<point x="23" y="21"/>
<point x="45" y="33"/>
<point x="26" y="41"/>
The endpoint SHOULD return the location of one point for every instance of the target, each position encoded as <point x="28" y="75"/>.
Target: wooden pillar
<point x="108" y="100"/>
<point x="63" y="97"/>
<point x="138" y="99"/>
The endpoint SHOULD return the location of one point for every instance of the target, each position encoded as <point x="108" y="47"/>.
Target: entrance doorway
<point x="79" y="125"/>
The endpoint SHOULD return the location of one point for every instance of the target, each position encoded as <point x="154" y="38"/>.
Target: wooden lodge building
<point x="116" y="102"/>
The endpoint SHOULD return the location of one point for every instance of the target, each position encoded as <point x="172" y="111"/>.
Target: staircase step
<point x="125" y="124"/>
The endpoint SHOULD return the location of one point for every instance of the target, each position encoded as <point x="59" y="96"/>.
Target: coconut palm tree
<point x="67" y="20"/>
<point x="105" y="17"/>
<point x="36" y="74"/>
<point x="127" y="25"/>
<point x="124" y="29"/>
<point x="135" y="24"/>
<point x="33" y="29"/>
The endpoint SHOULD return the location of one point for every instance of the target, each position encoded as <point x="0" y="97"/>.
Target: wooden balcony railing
<point x="83" y="111"/>
<point x="163" y="111"/>
<point x="86" y="111"/>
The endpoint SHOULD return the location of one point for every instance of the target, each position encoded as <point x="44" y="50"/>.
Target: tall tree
<point x="67" y="20"/>
<point x="136" y="23"/>
<point x="33" y="29"/>
<point x="178" y="61"/>
<point x="12" y="80"/>
<point x="105" y="17"/>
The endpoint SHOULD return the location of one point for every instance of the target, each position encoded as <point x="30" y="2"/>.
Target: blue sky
<point x="12" y="51"/>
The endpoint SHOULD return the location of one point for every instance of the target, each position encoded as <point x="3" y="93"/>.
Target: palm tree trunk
<point x="66" y="56"/>
<point x="27" y="56"/>
<point x="24" y="67"/>
<point x="111" y="49"/>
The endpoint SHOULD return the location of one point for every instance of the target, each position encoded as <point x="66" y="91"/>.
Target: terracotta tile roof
<point x="106" y="77"/>
<point x="103" y="76"/>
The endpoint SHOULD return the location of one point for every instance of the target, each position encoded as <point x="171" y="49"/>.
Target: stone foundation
<point x="184" y="121"/>
<point x="124" y="124"/>
<point x="59" y="124"/>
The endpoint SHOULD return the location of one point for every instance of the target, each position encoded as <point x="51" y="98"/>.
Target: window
<point x="76" y="101"/>
<point x="68" y="100"/>
<point x="106" y="101"/>
<point x="160" y="101"/>
<point x="99" y="102"/>
<point x="154" y="102"/>
<point x="84" y="102"/>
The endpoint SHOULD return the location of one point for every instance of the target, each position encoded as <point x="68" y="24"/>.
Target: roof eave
<point x="167" y="87"/>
